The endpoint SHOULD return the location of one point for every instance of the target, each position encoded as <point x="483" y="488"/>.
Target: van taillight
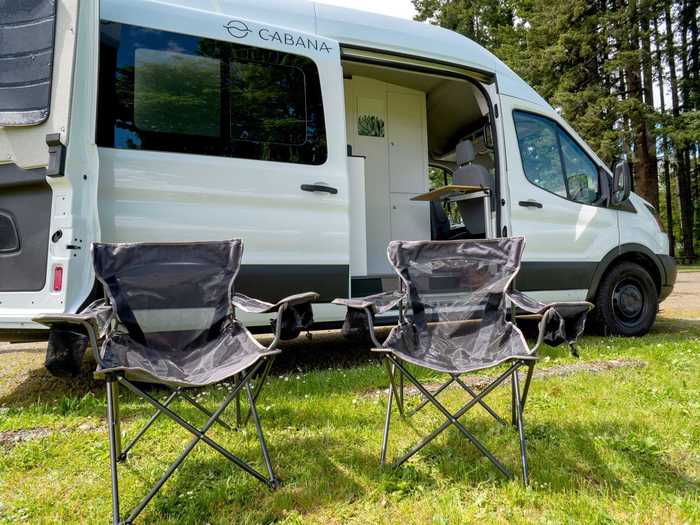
<point x="57" y="278"/>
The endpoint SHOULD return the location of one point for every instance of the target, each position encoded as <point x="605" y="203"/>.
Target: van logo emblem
<point x="237" y="29"/>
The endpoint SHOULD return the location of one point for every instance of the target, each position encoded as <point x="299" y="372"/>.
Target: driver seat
<point x="468" y="173"/>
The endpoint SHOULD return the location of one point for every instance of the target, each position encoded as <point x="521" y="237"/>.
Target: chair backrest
<point x="459" y="286"/>
<point x="169" y="295"/>
<point x="468" y="173"/>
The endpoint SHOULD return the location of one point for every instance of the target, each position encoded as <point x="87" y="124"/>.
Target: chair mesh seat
<point x="217" y="359"/>
<point x="460" y="354"/>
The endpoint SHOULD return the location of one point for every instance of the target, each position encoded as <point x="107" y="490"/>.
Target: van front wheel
<point x="627" y="300"/>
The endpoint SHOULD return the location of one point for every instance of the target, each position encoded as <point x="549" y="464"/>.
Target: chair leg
<point x="259" y="384"/>
<point x="528" y="378"/>
<point x="401" y="391"/>
<point x="483" y="403"/>
<point x="426" y="400"/>
<point x="237" y="379"/>
<point x="202" y="409"/>
<point x="453" y="419"/>
<point x="113" y="429"/>
<point x="521" y="426"/>
<point x="274" y="482"/>
<point x="387" y="424"/>
<point x="513" y="415"/>
<point x="391" y="369"/>
<point x="199" y="434"/>
<point x="125" y="451"/>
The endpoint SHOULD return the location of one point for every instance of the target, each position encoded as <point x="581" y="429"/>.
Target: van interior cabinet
<point x="386" y="124"/>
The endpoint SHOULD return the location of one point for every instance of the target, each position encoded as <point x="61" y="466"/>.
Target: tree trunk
<point x="682" y="153"/>
<point x="667" y="171"/>
<point x="646" y="184"/>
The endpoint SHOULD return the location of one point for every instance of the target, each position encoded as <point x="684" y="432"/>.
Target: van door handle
<point x="319" y="187"/>
<point x="530" y="204"/>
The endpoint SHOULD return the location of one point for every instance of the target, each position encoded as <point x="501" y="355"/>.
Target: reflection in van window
<point x="553" y="161"/>
<point x="539" y="150"/>
<point x="581" y="172"/>
<point x="164" y="91"/>
<point x="176" y="93"/>
<point x="266" y="105"/>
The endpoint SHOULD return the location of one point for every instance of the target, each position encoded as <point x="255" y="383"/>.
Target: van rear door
<point x="42" y="237"/>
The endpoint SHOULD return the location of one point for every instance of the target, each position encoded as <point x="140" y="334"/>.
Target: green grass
<point x="689" y="268"/>
<point x="621" y="446"/>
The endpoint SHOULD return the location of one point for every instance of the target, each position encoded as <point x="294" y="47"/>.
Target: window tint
<point x="554" y="161"/>
<point x="171" y="92"/>
<point x="539" y="150"/>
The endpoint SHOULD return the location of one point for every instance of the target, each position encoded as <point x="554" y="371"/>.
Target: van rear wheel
<point x="627" y="300"/>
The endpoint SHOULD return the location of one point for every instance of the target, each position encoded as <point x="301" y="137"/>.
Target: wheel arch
<point x="632" y="252"/>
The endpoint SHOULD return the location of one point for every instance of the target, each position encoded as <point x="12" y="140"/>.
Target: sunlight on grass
<point x="617" y="446"/>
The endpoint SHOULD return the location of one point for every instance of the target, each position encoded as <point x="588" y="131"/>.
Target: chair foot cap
<point x="275" y="484"/>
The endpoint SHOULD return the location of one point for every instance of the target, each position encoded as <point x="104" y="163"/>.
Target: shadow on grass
<point x="326" y="350"/>
<point x="326" y="471"/>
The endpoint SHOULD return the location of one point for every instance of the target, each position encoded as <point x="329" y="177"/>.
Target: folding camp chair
<point x="454" y="312"/>
<point x="170" y="320"/>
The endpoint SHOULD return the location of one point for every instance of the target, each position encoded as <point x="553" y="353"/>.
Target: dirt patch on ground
<point x="13" y="437"/>
<point x="479" y="382"/>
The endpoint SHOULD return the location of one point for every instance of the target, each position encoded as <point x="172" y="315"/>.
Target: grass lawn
<point x="689" y="268"/>
<point x="616" y="446"/>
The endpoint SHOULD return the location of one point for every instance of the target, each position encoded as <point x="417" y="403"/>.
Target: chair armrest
<point x="359" y="318"/>
<point x="562" y="322"/>
<point x="377" y="303"/>
<point x="98" y="314"/>
<point x="256" y="306"/>
<point x="293" y="313"/>
<point x="96" y="318"/>
<point x="533" y="306"/>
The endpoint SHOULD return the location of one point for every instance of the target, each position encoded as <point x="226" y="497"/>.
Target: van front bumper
<point x="670" y="272"/>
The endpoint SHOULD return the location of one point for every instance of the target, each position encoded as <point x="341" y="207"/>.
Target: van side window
<point x="539" y="151"/>
<point x="164" y="91"/>
<point x="553" y="161"/>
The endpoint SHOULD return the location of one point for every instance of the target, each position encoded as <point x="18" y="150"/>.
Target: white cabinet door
<point x="407" y="142"/>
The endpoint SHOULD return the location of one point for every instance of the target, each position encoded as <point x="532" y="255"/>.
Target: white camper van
<point x="307" y="130"/>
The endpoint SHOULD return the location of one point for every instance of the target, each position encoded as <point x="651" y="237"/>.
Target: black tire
<point x="626" y="301"/>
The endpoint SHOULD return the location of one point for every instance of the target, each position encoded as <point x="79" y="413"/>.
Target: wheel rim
<point x="628" y="301"/>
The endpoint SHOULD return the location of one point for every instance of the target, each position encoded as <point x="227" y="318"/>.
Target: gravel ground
<point x="685" y="296"/>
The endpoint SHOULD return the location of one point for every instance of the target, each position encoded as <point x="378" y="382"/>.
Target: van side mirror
<point x="622" y="182"/>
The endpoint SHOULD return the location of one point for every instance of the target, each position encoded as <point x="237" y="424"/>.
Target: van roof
<point x="373" y="31"/>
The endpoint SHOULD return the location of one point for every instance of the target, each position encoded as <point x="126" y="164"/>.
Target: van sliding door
<point x="214" y="127"/>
